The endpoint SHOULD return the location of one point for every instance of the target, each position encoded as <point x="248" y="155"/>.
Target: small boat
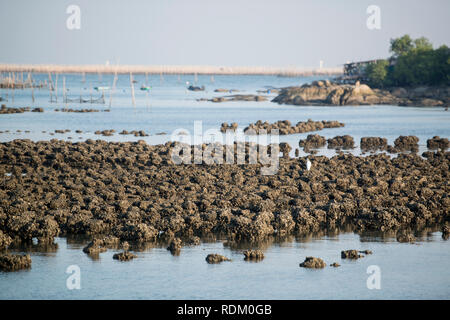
<point x="193" y="88"/>
<point x="101" y="88"/>
<point x="145" y="88"/>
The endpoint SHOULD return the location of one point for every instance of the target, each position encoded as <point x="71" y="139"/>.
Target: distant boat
<point x="145" y="88"/>
<point x="193" y="88"/>
<point x="101" y="88"/>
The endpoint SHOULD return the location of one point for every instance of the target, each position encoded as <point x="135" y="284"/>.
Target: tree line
<point x="413" y="62"/>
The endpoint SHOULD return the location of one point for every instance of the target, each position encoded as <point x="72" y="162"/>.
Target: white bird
<point x="308" y="164"/>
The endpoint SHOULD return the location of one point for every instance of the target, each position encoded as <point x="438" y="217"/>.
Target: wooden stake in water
<point x="56" y="88"/>
<point x="133" y="100"/>
<point x="113" y="89"/>
<point x="32" y="87"/>
<point x="64" y="91"/>
<point x="50" y="86"/>
<point x="147" y="88"/>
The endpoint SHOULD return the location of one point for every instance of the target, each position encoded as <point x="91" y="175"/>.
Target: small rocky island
<point x="327" y="93"/>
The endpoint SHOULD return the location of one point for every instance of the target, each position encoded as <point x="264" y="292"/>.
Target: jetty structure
<point x="355" y="71"/>
<point x="170" y="69"/>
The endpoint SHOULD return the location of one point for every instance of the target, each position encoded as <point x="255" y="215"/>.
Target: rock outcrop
<point x="14" y="262"/>
<point x="327" y="93"/>
<point x="124" y="256"/>
<point x="253" y="255"/>
<point x="313" y="263"/>
<point x="216" y="258"/>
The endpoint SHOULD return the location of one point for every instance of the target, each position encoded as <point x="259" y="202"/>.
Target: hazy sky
<point x="210" y="32"/>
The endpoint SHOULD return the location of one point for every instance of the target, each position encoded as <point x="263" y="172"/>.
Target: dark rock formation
<point x="285" y="127"/>
<point x="405" y="143"/>
<point x="175" y="246"/>
<point x="216" y="258"/>
<point x="327" y="93"/>
<point x="124" y="256"/>
<point x="350" y="254"/>
<point x="373" y="143"/>
<point x="335" y="264"/>
<point x="14" y="262"/>
<point x="313" y="141"/>
<point x="133" y="191"/>
<point x="438" y="143"/>
<point x="313" y="263"/>
<point x="253" y="255"/>
<point x="341" y="142"/>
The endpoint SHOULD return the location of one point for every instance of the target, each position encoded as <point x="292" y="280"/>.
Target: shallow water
<point x="170" y="106"/>
<point x="408" y="271"/>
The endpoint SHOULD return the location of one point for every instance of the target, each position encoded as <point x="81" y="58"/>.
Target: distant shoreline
<point x="170" y="69"/>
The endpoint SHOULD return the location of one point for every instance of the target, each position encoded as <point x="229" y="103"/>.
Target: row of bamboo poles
<point x="142" y="69"/>
<point x="15" y="80"/>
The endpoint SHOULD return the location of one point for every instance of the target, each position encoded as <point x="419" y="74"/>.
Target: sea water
<point x="407" y="271"/>
<point x="417" y="270"/>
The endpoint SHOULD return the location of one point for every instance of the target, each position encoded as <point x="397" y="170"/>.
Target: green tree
<point x="401" y="46"/>
<point x="376" y="73"/>
<point x="423" y="43"/>
<point x="415" y="63"/>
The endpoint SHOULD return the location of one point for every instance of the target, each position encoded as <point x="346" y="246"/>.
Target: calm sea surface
<point x="408" y="271"/>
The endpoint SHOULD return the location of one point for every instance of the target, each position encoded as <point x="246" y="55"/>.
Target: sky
<point x="281" y="33"/>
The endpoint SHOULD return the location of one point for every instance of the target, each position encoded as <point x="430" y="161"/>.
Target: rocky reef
<point x="134" y="192"/>
<point x="322" y="93"/>
<point x="214" y="258"/>
<point x="255" y="255"/>
<point x="14" y="262"/>
<point x="313" y="263"/>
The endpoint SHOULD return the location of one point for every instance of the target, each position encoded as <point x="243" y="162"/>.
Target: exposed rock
<point x="373" y="143"/>
<point x="193" y="241"/>
<point x="405" y="143"/>
<point x="175" y="246"/>
<point x="313" y="141"/>
<point x="350" y="254"/>
<point x="445" y="232"/>
<point x="225" y="126"/>
<point x="5" y="240"/>
<point x="285" y="127"/>
<point x="80" y="110"/>
<point x="14" y="262"/>
<point x="341" y="142"/>
<point x="216" y="258"/>
<point x="253" y="255"/>
<point x="405" y="237"/>
<point x="133" y="191"/>
<point x="318" y="93"/>
<point x="225" y="90"/>
<point x="438" y="143"/>
<point x="94" y="247"/>
<point x="239" y="97"/>
<point x="335" y="264"/>
<point x="124" y="256"/>
<point x="313" y="263"/>
<point x="5" y="110"/>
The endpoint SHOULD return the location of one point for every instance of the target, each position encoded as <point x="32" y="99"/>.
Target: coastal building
<point x="354" y="71"/>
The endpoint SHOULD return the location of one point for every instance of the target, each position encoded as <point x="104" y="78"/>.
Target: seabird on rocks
<point x="308" y="164"/>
